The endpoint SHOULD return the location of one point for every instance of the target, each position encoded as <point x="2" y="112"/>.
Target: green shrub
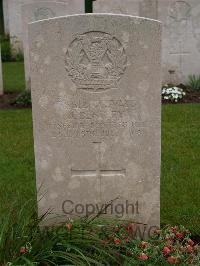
<point x="6" y="54"/>
<point x="19" y="57"/>
<point x="194" y="82"/>
<point x="24" y="98"/>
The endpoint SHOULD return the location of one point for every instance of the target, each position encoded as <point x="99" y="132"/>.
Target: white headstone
<point x="96" y="113"/>
<point x="44" y="10"/>
<point x="5" y="16"/>
<point x="15" y="20"/>
<point x="181" y="39"/>
<point x="141" y="8"/>
<point x="181" y="34"/>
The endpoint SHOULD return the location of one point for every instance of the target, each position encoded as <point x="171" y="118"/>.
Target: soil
<point x="7" y="101"/>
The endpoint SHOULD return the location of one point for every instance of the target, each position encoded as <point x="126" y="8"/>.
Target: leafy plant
<point x="6" y="54"/>
<point x="89" y="241"/>
<point x="194" y="82"/>
<point x="173" y="94"/>
<point x="24" y="98"/>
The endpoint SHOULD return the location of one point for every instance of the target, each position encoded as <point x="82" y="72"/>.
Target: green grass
<point x="17" y="175"/>
<point x="13" y="76"/>
<point x="180" y="179"/>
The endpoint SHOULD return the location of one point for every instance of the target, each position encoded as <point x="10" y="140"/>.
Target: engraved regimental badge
<point x="44" y="13"/>
<point x="95" y="61"/>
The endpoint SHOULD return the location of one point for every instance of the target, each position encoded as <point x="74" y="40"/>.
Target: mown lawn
<point x="17" y="173"/>
<point x="13" y="76"/>
<point x="180" y="179"/>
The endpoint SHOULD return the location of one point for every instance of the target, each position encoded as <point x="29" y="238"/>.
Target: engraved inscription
<point x="44" y="13"/>
<point x="99" y="172"/>
<point x="95" y="61"/>
<point x="83" y="118"/>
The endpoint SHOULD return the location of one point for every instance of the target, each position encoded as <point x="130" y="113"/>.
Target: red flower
<point x="69" y="226"/>
<point x="179" y="235"/>
<point x="23" y="250"/>
<point x="130" y="227"/>
<point x="190" y="242"/>
<point x="143" y="256"/>
<point x="127" y="240"/>
<point x="189" y="249"/>
<point x="143" y="244"/>
<point x="172" y="260"/>
<point x="117" y="241"/>
<point x="166" y="251"/>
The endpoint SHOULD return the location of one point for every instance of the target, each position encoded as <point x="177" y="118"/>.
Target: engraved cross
<point x="99" y="172"/>
<point x="181" y="54"/>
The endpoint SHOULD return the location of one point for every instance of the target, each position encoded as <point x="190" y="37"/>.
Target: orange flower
<point x="166" y="251"/>
<point x="69" y="226"/>
<point x="172" y="260"/>
<point x="117" y="241"/>
<point x="143" y="256"/>
<point x="143" y="244"/>
<point x="130" y="227"/>
<point x="127" y="240"/>
<point x="189" y="249"/>
<point x="179" y="235"/>
<point x="190" y="242"/>
<point x="23" y="250"/>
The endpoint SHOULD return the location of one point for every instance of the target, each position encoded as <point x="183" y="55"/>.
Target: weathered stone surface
<point x="1" y="75"/>
<point x="141" y="8"/>
<point x="96" y="114"/>
<point x="13" y="18"/>
<point x="181" y="34"/>
<point x="5" y="16"/>
<point x="39" y="11"/>
<point x="129" y="7"/>
<point x="180" y="39"/>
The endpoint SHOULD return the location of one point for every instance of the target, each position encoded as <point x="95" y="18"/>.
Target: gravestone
<point x="39" y="11"/>
<point x="180" y="39"/>
<point x="141" y="8"/>
<point x="1" y="75"/>
<point x="13" y="18"/>
<point x="96" y="114"/>
<point x="5" y="17"/>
